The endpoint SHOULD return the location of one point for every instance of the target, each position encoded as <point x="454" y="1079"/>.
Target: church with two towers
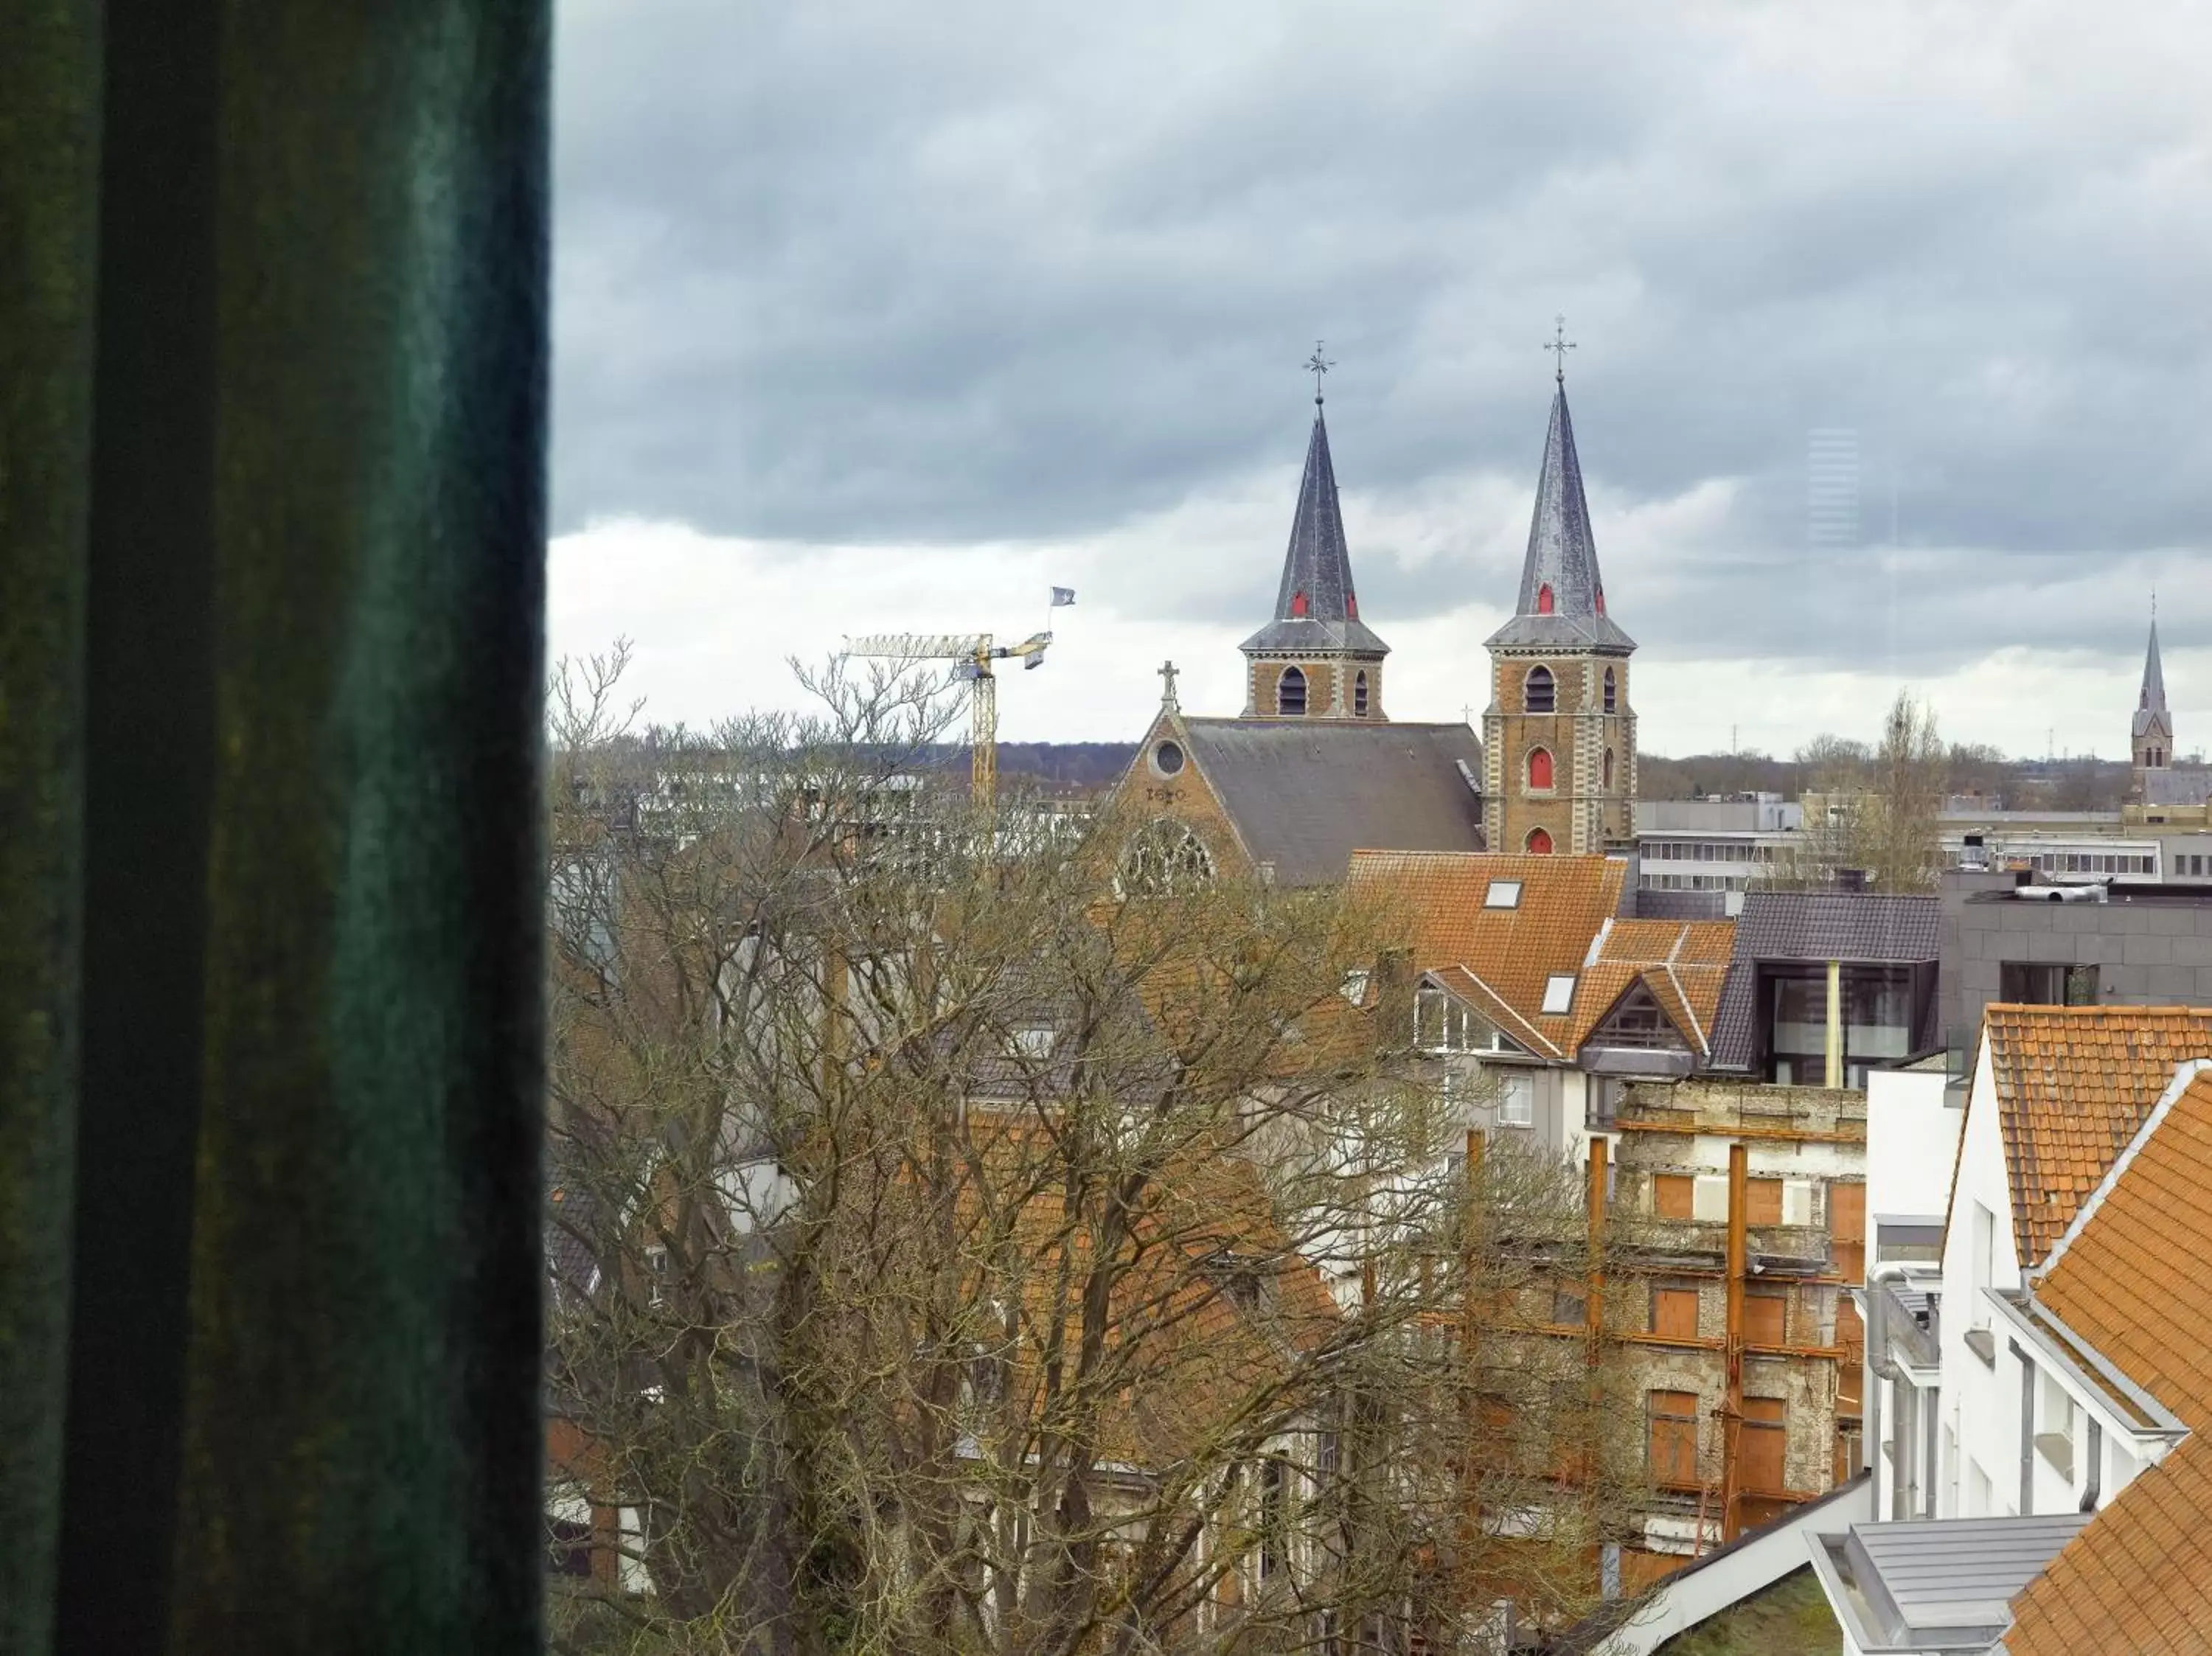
<point x="1313" y="768"/>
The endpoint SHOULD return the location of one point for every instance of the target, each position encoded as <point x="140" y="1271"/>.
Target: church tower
<point x="1558" y="738"/>
<point x="2152" y="739"/>
<point x="1317" y="658"/>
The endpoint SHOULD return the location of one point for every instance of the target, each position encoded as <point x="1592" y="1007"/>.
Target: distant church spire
<point x="2151" y="739"/>
<point x="1562" y="599"/>
<point x="2153" y="699"/>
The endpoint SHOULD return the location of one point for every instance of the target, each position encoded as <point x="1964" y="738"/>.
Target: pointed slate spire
<point x="1317" y="608"/>
<point x="2150" y="706"/>
<point x="1562" y="601"/>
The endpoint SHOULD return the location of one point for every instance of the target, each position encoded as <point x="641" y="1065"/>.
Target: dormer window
<point x="1559" y="993"/>
<point x="1291" y="690"/>
<point x="1036" y="1045"/>
<point x="1539" y="695"/>
<point x="1600" y="600"/>
<point x="1351" y="607"/>
<point x="1544" y="604"/>
<point x="1298" y="605"/>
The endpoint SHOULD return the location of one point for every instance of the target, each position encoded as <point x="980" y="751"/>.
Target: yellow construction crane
<point x="972" y="654"/>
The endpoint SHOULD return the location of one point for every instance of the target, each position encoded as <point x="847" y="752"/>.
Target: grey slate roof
<point x="1306" y="795"/>
<point x="1868" y="928"/>
<point x="2150" y="706"/>
<point x="1641" y="904"/>
<point x="1318" y="565"/>
<point x="1562" y="555"/>
<point x="1944" y="1583"/>
<point x="2165" y="787"/>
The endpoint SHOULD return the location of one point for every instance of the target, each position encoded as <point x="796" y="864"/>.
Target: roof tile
<point x="2139" y="1575"/>
<point x="2073" y="1084"/>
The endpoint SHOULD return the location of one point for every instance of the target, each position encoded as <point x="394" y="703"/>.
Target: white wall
<point x="1980" y="1405"/>
<point x="1913" y="1142"/>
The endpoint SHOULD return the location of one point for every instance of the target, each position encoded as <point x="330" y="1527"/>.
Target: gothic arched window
<point x="1538" y="693"/>
<point x="1539" y="843"/>
<point x="1544" y="599"/>
<point x="1608" y="770"/>
<point x="1290" y="692"/>
<point x="1359" y="694"/>
<point x="1612" y="692"/>
<point x="1162" y="857"/>
<point x="1539" y="768"/>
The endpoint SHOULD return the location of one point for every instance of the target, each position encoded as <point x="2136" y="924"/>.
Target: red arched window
<point x="1539" y="768"/>
<point x="1600" y="600"/>
<point x="1540" y="843"/>
<point x="1544" y="599"/>
<point x="1608" y="770"/>
<point x="1351" y="607"/>
<point x="1298" y="602"/>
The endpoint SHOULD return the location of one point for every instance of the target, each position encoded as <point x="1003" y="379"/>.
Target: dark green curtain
<point x="272" y="410"/>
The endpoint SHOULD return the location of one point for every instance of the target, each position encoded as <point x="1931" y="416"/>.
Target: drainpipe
<point x="1932" y="1472"/>
<point x="1732" y="1358"/>
<point x="1877" y="1332"/>
<point x="2096" y="1450"/>
<point x="2026" y="1431"/>
<point x="1835" y="1042"/>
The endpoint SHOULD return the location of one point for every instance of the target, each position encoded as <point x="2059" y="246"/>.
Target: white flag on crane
<point x="1062" y="595"/>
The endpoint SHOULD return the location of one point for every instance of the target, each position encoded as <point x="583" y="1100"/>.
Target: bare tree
<point x="954" y="1256"/>
<point x="1876" y="810"/>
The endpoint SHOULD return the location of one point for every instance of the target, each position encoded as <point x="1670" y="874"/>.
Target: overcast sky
<point x="875" y="316"/>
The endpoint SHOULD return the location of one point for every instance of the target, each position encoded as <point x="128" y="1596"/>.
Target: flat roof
<point x="1937" y="1584"/>
<point x="2118" y="891"/>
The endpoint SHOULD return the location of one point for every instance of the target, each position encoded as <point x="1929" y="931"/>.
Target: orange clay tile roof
<point x="2138" y="1577"/>
<point x="1683" y="963"/>
<point x="2073" y="1083"/>
<point x="1509" y="953"/>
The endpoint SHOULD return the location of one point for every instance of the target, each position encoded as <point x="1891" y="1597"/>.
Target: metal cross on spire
<point x="1559" y="345"/>
<point x="1317" y="365"/>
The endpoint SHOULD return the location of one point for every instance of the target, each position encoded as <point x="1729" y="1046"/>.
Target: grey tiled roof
<point x="1562" y="555"/>
<point x="1864" y="927"/>
<point x="1318" y="567"/>
<point x="1306" y="795"/>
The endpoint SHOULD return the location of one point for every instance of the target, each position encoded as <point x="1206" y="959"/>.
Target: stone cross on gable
<point x="1167" y="671"/>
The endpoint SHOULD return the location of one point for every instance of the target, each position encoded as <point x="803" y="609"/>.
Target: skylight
<point x="1503" y="894"/>
<point x="1559" y="991"/>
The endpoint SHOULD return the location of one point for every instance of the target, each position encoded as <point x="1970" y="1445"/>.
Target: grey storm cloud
<point x="877" y="272"/>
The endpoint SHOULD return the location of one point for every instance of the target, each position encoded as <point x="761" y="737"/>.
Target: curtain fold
<point x="49" y="161"/>
<point x="272" y="418"/>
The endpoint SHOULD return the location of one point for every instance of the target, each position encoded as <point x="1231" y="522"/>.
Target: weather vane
<point x="1559" y="345"/>
<point x="1317" y="365"/>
